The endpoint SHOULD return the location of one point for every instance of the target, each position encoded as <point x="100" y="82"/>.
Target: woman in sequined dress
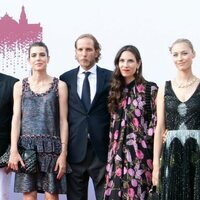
<point x="130" y="155"/>
<point x="40" y="123"/>
<point x="178" y="114"/>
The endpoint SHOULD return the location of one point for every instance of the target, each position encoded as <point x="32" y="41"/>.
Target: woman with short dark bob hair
<point x="40" y="124"/>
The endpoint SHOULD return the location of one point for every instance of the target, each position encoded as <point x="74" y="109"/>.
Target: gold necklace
<point x="185" y="85"/>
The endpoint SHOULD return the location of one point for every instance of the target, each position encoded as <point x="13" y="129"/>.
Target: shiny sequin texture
<point x="40" y="131"/>
<point x="180" y="163"/>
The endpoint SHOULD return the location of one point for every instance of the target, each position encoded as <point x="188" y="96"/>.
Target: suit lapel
<point x="100" y="85"/>
<point x="73" y="89"/>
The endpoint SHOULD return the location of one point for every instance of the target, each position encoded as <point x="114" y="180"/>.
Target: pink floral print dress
<point x="129" y="166"/>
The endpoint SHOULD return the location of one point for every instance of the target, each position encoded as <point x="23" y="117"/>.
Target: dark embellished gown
<point x="40" y="131"/>
<point x="180" y="164"/>
<point x="129" y="166"/>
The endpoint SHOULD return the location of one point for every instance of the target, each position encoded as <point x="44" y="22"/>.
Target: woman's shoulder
<point x="62" y="87"/>
<point x="62" y="84"/>
<point x="150" y="85"/>
<point x="18" y="84"/>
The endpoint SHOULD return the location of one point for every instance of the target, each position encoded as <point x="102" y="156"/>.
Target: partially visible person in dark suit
<point x="6" y="111"/>
<point x="88" y="120"/>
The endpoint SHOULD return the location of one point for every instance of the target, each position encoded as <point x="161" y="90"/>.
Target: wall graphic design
<point x="15" y="38"/>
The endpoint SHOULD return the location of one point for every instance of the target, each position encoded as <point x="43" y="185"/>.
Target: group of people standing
<point x="116" y="127"/>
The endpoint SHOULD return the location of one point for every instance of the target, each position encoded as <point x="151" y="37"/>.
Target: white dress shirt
<point x="92" y="81"/>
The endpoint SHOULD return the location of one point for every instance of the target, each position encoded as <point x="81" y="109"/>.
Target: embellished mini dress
<point x="40" y="132"/>
<point x="180" y="163"/>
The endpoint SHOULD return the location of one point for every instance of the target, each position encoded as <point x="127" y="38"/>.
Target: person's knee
<point x="49" y="196"/>
<point x="30" y="195"/>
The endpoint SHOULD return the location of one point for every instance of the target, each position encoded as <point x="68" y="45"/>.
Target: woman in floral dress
<point x="40" y="123"/>
<point x="129" y="167"/>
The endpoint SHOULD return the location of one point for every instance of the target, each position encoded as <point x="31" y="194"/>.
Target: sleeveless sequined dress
<point x="180" y="164"/>
<point x="40" y="131"/>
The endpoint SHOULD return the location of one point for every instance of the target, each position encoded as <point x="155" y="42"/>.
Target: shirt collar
<point x="93" y="70"/>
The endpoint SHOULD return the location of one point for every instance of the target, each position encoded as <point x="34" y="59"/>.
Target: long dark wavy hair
<point x="118" y="81"/>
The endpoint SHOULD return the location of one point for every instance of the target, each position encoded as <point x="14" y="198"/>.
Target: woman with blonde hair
<point x="178" y="113"/>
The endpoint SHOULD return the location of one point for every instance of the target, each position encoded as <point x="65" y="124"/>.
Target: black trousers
<point x="77" y="181"/>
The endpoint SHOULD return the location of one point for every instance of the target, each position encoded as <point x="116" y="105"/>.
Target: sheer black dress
<point x="180" y="165"/>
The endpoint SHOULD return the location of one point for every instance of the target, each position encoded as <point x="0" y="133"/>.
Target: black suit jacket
<point x="95" y="122"/>
<point x="6" y="109"/>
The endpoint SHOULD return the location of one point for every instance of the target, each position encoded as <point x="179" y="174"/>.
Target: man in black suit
<point x="6" y="111"/>
<point x="88" y="121"/>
